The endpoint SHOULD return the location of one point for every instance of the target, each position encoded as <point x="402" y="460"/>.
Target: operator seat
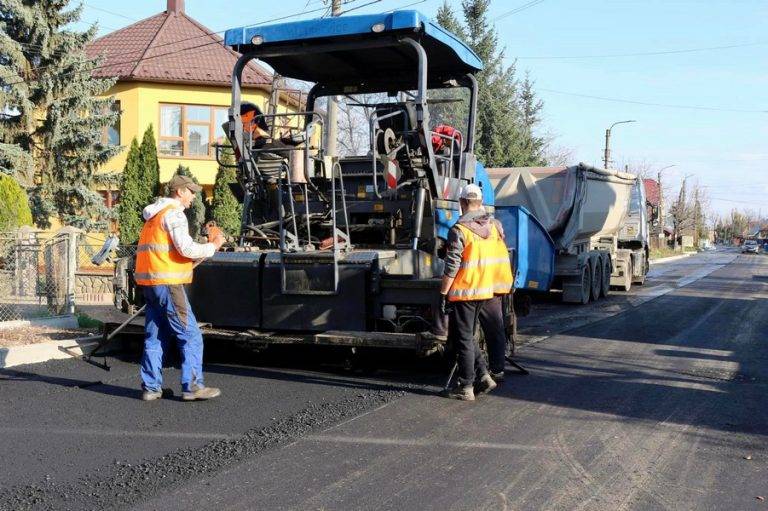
<point x="403" y="126"/>
<point x="400" y="124"/>
<point x="269" y="155"/>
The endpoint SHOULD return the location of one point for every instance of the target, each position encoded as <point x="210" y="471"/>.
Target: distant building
<point x="175" y="74"/>
<point x="653" y="202"/>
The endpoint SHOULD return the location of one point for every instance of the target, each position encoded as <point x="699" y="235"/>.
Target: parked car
<point x="750" y="247"/>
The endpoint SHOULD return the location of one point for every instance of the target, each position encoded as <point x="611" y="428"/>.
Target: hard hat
<point x="471" y="192"/>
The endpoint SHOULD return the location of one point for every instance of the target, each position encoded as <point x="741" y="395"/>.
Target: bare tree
<point x="354" y="132"/>
<point x="558" y="155"/>
<point x="642" y="168"/>
<point x="681" y="213"/>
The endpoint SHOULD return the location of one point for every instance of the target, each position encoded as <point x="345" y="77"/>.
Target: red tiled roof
<point x="170" y="47"/>
<point x="652" y="194"/>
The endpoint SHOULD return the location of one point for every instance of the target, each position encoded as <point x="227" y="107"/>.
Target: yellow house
<point x="174" y="74"/>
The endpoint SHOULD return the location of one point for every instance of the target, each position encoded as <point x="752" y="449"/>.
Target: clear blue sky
<point x="725" y="148"/>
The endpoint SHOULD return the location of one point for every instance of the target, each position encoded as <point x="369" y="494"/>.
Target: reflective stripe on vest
<point x="485" y="269"/>
<point x="157" y="260"/>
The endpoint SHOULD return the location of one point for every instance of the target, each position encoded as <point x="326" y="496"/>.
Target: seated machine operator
<point x="256" y="126"/>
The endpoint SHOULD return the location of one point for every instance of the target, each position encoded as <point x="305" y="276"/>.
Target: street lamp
<point x="607" y="155"/>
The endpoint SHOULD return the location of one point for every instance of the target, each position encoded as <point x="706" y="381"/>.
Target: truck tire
<point x="606" y="284"/>
<point x="596" y="269"/>
<point x="586" y="283"/>
<point x="628" y="277"/>
<point x="640" y="279"/>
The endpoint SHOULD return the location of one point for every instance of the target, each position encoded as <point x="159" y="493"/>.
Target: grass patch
<point x="659" y="253"/>
<point x="85" y="321"/>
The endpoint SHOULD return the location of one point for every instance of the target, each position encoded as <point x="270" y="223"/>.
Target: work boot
<point x="151" y="395"/>
<point x="461" y="392"/>
<point x="197" y="393"/>
<point x="485" y="384"/>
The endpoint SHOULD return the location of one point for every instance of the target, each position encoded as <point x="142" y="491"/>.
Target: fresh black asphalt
<point x="657" y="404"/>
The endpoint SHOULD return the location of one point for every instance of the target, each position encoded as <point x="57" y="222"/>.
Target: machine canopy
<point x="358" y="53"/>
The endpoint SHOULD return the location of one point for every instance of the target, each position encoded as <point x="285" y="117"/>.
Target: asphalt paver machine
<point x="344" y="250"/>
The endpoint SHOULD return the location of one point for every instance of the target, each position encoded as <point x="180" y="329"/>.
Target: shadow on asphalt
<point x="696" y="358"/>
<point x="13" y="375"/>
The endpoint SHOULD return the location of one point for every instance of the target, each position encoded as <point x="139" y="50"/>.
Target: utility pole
<point x="607" y="153"/>
<point x="332" y="133"/>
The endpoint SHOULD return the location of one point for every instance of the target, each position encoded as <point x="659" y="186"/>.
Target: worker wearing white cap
<point x="477" y="268"/>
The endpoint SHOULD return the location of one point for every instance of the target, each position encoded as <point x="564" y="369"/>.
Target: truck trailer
<point x="596" y="220"/>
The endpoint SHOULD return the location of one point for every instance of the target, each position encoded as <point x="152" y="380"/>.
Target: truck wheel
<point x="586" y="284"/>
<point x="606" y="285"/>
<point x="597" y="279"/>
<point x="628" y="277"/>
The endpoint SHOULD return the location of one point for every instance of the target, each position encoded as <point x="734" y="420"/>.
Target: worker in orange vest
<point x="477" y="268"/>
<point x="256" y="127"/>
<point x="165" y="259"/>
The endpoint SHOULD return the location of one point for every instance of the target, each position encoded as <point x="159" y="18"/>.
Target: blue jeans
<point x="168" y="317"/>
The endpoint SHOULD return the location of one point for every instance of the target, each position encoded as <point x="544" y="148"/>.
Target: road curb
<point x="45" y="351"/>
<point x="671" y="258"/>
<point x="55" y="322"/>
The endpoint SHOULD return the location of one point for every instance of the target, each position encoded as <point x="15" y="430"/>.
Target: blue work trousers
<point x="169" y="317"/>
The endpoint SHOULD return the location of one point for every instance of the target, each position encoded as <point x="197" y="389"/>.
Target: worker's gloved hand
<point x="445" y="305"/>
<point x="213" y="231"/>
<point x="218" y="241"/>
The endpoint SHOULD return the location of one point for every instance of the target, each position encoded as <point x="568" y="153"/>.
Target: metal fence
<point x="34" y="275"/>
<point x="47" y="275"/>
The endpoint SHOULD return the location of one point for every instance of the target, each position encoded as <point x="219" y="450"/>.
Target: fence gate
<point x="36" y="276"/>
<point x="56" y="279"/>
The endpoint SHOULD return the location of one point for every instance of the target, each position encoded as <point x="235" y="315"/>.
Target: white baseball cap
<point x="471" y="192"/>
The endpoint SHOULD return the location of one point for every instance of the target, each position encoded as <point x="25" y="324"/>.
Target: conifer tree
<point x="132" y="197"/>
<point x="52" y="121"/>
<point x="225" y="208"/>
<point x="15" y="210"/>
<point x="150" y="166"/>
<point x="196" y="212"/>
<point x="507" y="110"/>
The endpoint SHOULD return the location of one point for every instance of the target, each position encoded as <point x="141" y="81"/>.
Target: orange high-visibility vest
<point x="485" y="268"/>
<point x="157" y="260"/>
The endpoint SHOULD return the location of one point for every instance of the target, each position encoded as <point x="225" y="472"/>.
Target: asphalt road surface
<point x="653" y="399"/>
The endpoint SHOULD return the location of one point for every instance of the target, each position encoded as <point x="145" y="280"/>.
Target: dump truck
<point x="596" y="222"/>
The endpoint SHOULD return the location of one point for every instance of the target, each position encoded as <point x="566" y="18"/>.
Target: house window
<point x="111" y="134"/>
<point x="189" y="131"/>
<point x="110" y="197"/>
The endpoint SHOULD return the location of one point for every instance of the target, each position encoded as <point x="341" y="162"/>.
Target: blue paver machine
<point x="344" y="250"/>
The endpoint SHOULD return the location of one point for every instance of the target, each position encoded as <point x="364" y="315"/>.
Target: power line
<point x="643" y="54"/>
<point x="109" y="12"/>
<point x="408" y="5"/>
<point x="360" y="6"/>
<point x="736" y="201"/>
<point x="644" y="103"/>
<point x="520" y="8"/>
